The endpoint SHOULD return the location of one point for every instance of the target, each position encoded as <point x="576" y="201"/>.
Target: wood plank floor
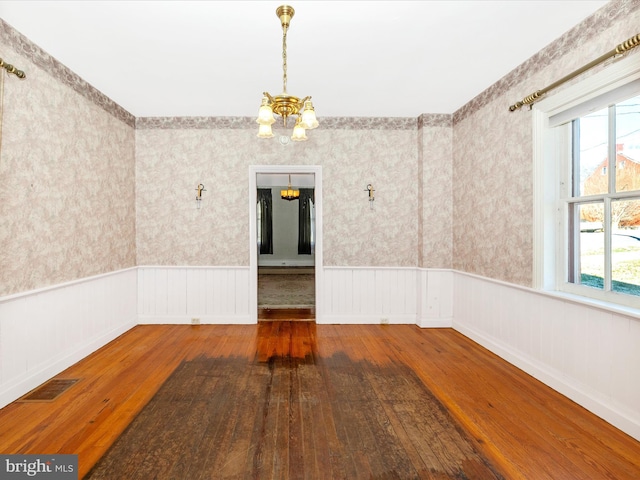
<point x="526" y="429"/>
<point x="290" y="314"/>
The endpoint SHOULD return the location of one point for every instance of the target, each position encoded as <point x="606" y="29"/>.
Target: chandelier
<point x="284" y="104"/>
<point x="290" y="193"/>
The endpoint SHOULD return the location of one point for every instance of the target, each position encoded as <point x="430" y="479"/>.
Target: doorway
<point x="286" y="266"/>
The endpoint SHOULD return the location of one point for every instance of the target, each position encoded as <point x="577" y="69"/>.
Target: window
<point x="604" y="211"/>
<point x="588" y="189"/>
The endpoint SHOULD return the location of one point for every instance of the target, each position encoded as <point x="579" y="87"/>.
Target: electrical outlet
<point x="195" y="321"/>
<point x="384" y="321"/>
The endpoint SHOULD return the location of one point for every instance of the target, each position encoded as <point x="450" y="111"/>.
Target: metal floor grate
<point x="49" y="391"/>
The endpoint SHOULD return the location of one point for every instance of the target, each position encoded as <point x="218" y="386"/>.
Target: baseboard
<point x="427" y="322"/>
<point x="557" y="381"/>
<point x="386" y="320"/>
<point x="201" y="320"/>
<point x="25" y="385"/>
<point x="368" y="319"/>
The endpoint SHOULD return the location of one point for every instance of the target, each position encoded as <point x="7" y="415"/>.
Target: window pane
<point x="628" y="145"/>
<point x="625" y="246"/>
<point x="587" y="246"/>
<point x="590" y="159"/>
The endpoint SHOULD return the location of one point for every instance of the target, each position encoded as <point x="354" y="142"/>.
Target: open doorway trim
<point x="254" y="170"/>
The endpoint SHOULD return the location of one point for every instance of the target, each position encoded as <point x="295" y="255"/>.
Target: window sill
<point x="592" y="302"/>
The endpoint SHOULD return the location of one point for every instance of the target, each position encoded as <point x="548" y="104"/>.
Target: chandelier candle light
<point x="284" y="104"/>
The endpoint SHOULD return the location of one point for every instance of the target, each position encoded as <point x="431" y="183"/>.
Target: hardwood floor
<point x="289" y="314"/>
<point x="526" y="429"/>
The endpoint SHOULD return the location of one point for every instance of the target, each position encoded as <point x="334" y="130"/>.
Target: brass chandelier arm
<point x="619" y="50"/>
<point x="11" y="69"/>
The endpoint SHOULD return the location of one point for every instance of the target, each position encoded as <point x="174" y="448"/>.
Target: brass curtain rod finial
<point x="628" y="44"/>
<point x="528" y="100"/>
<point x="11" y="69"/>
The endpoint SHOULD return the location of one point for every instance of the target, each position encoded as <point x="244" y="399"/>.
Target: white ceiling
<point x="356" y="58"/>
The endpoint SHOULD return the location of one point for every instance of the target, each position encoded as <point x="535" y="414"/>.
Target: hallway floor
<point x="278" y="289"/>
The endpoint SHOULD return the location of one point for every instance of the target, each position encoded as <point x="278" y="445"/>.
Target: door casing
<point x="254" y="170"/>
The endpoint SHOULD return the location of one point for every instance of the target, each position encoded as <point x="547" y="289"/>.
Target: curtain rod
<point x="619" y="50"/>
<point x="12" y="69"/>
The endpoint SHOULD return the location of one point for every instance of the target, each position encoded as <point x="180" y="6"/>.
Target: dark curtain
<point x="304" y="221"/>
<point x="266" y="220"/>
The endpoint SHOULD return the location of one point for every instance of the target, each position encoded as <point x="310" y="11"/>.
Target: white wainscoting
<point x="214" y="295"/>
<point x="371" y="295"/>
<point x="588" y="353"/>
<point x="435" y="306"/>
<point x="45" y="331"/>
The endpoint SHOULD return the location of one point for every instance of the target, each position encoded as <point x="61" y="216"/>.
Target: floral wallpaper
<point x="584" y="37"/>
<point x="171" y="162"/>
<point x="492" y="159"/>
<point x="493" y="194"/>
<point x="67" y="176"/>
<point x="36" y="55"/>
<point x="88" y="188"/>
<point x="436" y="213"/>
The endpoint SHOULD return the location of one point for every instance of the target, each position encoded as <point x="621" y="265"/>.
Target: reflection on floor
<point x="287" y="314"/>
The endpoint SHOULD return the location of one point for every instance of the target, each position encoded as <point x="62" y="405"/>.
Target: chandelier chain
<point x="284" y="61"/>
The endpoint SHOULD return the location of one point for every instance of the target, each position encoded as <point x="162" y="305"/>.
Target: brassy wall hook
<point x="199" y="189"/>
<point x="370" y="189"/>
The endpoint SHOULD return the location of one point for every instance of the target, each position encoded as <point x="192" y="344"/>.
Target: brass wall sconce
<point x="370" y="189"/>
<point x="199" y="189"/>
